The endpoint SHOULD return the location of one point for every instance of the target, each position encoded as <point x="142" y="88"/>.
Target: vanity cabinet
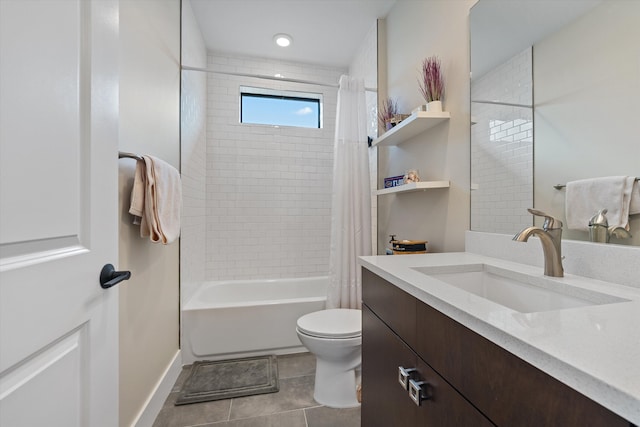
<point x="469" y="380"/>
<point x="387" y="403"/>
<point x="387" y="347"/>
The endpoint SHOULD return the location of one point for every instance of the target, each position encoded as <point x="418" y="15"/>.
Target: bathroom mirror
<point x="555" y="89"/>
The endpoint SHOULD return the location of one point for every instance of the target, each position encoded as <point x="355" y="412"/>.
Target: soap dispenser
<point x="389" y="250"/>
<point x="599" y="227"/>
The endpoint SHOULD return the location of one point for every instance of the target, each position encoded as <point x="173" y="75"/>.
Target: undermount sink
<point x="517" y="291"/>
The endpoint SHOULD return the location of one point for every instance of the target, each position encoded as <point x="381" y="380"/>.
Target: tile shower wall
<point x="502" y="148"/>
<point x="268" y="187"/>
<point x="193" y="105"/>
<point x="365" y="65"/>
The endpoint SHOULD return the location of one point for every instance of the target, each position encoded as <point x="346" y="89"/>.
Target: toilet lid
<point x="333" y="323"/>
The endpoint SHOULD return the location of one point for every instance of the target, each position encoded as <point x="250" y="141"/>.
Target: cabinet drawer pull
<point x="404" y="375"/>
<point x="417" y="391"/>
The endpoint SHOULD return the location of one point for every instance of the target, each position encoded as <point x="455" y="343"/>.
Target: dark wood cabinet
<point x="471" y="381"/>
<point x="391" y="304"/>
<point x="386" y="403"/>
<point x="504" y="387"/>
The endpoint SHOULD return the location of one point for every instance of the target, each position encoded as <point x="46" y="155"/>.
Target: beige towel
<point x="634" y="207"/>
<point x="586" y="197"/>
<point x="136" y="207"/>
<point x="157" y="198"/>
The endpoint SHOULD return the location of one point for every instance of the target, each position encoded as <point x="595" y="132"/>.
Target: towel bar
<point x="124" y="154"/>
<point x="561" y="186"/>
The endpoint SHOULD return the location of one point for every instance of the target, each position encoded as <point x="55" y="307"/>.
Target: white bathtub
<point x="241" y="318"/>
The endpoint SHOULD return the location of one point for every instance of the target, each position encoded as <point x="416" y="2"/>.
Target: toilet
<point x="334" y="336"/>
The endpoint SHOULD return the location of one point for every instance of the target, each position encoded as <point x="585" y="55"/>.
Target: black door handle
<point x="110" y="277"/>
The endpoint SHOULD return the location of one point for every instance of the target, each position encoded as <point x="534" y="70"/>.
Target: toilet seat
<point x="332" y="323"/>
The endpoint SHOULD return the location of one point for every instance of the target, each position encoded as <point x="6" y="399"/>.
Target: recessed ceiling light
<point x="282" y="40"/>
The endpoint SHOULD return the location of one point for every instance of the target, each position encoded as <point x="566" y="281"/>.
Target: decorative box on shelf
<point x="393" y="181"/>
<point x="409" y="247"/>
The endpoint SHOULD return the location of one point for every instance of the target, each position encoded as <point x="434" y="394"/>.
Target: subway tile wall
<point x="268" y="189"/>
<point x="502" y="148"/>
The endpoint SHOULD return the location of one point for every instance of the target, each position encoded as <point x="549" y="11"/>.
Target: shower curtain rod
<point x="265" y="77"/>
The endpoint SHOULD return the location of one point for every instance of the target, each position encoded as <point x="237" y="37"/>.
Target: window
<point x="280" y="108"/>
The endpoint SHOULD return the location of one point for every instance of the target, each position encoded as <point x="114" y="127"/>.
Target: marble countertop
<point x="594" y="349"/>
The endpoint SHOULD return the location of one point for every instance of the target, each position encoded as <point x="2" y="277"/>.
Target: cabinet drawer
<point x="396" y="307"/>
<point x="386" y="403"/>
<point x="508" y="390"/>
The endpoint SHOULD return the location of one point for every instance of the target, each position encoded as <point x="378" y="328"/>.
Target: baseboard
<point x="154" y="403"/>
<point x="189" y="358"/>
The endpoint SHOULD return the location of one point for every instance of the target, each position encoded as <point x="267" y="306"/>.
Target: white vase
<point x="434" y="107"/>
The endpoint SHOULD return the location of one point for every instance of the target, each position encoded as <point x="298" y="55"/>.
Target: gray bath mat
<point x="225" y="379"/>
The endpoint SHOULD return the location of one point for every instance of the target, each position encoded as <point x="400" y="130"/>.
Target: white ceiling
<point x="326" y="32"/>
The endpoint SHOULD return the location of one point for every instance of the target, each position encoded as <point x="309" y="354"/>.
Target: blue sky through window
<point x="280" y="110"/>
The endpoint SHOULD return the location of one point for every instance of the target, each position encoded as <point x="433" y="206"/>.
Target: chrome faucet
<point x="550" y="236"/>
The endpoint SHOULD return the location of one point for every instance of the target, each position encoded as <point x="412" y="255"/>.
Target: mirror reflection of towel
<point x="587" y="196"/>
<point x="157" y="198"/>
<point x="634" y="207"/>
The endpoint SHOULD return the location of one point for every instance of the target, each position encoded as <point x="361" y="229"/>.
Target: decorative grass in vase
<point x="431" y="83"/>
<point x="388" y="109"/>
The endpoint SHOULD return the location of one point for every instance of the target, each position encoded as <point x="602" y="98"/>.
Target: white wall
<point x="416" y="30"/>
<point x="268" y="188"/>
<point x="193" y="241"/>
<point x="587" y="87"/>
<point x="149" y="124"/>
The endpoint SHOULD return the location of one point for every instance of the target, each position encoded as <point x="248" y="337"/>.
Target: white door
<point x="58" y="208"/>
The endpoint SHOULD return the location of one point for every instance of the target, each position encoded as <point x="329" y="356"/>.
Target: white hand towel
<point x="586" y="197"/>
<point x="162" y="201"/>
<point x="634" y="207"/>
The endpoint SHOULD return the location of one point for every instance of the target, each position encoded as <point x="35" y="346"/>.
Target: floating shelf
<point x="415" y="124"/>
<point x="413" y="186"/>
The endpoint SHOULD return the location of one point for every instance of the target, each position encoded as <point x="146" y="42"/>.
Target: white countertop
<point x="594" y="350"/>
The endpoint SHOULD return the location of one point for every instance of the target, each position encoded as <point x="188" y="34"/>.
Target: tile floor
<point x="292" y="406"/>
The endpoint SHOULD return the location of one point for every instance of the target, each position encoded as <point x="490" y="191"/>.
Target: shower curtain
<point x="351" y="201"/>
